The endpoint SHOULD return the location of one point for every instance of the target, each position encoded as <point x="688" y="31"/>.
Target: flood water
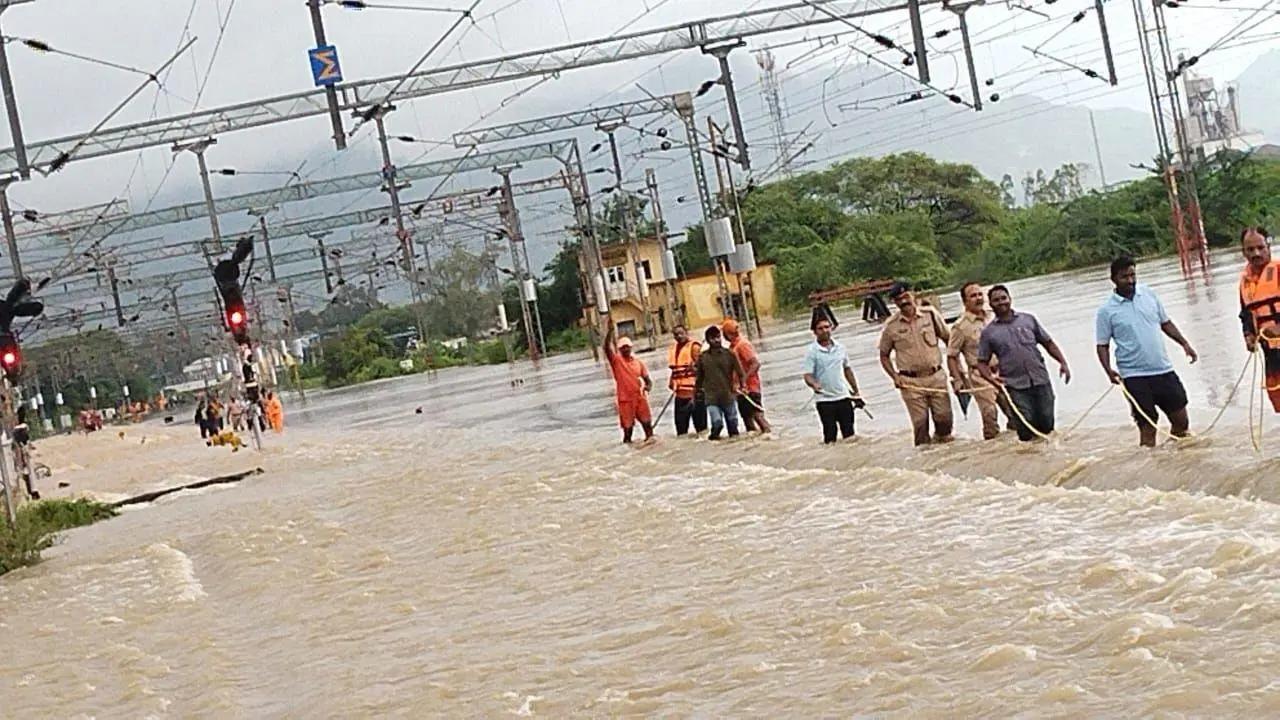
<point x="500" y="554"/>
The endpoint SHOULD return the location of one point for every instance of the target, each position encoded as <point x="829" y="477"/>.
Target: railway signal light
<point x="226" y="274"/>
<point x="10" y="357"/>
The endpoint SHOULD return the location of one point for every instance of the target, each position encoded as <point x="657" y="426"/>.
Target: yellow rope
<point x="1259" y="375"/>
<point x="1231" y="395"/>
<point x="1022" y="417"/>
<point x="1151" y="421"/>
<point x="1092" y="407"/>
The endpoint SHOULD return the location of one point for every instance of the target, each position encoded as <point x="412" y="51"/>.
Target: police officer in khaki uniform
<point x="964" y="344"/>
<point x="910" y="354"/>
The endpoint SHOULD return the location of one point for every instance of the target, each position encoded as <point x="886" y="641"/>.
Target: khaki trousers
<point x="990" y="402"/>
<point x="927" y="402"/>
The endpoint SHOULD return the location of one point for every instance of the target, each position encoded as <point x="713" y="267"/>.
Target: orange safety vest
<point x="680" y="359"/>
<point x="1261" y="297"/>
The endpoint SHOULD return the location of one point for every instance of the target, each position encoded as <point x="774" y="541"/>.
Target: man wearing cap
<point x="682" y="358"/>
<point x="751" y="401"/>
<point x="910" y="355"/>
<point x="631" y="378"/>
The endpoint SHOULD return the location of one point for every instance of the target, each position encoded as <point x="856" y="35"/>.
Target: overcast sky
<point x="262" y="53"/>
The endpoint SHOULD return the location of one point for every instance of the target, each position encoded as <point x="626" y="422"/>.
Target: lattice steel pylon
<point x="777" y="113"/>
<point x="1176" y="164"/>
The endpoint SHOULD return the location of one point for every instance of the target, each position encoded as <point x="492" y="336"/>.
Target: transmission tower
<point x="1175" y="163"/>
<point x="777" y="114"/>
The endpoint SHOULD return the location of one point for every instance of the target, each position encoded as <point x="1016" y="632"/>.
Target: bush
<point x="568" y="340"/>
<point x="38" y="525"/>
<point x="487" y="352"/>
<point x="378" y="369"/>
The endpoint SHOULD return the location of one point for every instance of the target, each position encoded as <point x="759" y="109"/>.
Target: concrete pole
<point x="674" y="311"/>
<point x="208" y="197"/>
<point x="406" y="240"/>
<point x="15" y="122"/>
<point x="633" y="242"/>
<point x="511" y="222"/>
<point x="266" y="240"/>
<point x="330" y="92"/>
<point x="11" y="238"/>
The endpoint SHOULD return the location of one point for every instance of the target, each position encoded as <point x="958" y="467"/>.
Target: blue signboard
<point x="325" y="69"/>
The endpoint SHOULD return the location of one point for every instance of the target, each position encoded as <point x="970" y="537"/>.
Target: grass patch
<point x="38" y="525"/>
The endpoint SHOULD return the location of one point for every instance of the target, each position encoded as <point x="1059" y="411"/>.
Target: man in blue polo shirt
<point x="1134" y="318"/>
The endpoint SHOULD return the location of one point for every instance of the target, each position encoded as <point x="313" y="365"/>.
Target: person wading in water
<point x="682" y="358"/>
<point x="631" y="379"/>
<point x="719" y="380"/>
<point x="1134" y="318"/>
<point x="1260" y="305"/>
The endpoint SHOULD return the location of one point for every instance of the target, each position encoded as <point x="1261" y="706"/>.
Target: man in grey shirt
<point x="1012" y="339"/>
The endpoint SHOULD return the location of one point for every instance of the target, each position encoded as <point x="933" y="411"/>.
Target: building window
<point x="616" y="273"/>
<point x="648" y="274"/>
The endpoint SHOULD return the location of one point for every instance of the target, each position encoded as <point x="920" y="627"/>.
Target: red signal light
<point x="236" y="318"/>
<point x="10" y="358"/>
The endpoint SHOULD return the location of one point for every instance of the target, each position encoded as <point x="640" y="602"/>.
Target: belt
<point x="921" y="374"/>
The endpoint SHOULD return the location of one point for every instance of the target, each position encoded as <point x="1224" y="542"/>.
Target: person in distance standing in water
<point x="829" y="375"/>
<point x="1011" y="340"/>
<point x="719" y="381"/>
<point x="1260" y="305"/>
<point x="751" y="401"/>
<point x="1134" y="318"/>
<point x="910" y="356"/>
<point x="682" y="358"/>
<point x="631" y="380"/>
<point x="964" y="345"/>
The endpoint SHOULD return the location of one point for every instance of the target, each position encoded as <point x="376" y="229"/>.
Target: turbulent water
<point x="500" y="555"/>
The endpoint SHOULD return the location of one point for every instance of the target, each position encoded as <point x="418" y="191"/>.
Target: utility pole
<point x="675" y="311"/>
<point x="324" y="259"/>
<point x="261" y="214"/>
<point x="330" y="92"/>
<point x="6" y="215"/>
<point x="198" y="147"/>
<point x="402" y="233"/>
<point x="960" y="9"/>
<point x="1176" y="165"/>
<point x="11" y="105"/>
<point x="684" y="108"/>
<point x="721" y="54"/>
<point x="115" y="290"/>
<point x="629" y="231"/>
<point x="1097" y="149"/>
<point x="511" y="222"/>
<point x="729" y="199"/>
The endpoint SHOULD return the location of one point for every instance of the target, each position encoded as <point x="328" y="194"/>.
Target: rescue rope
<point x="1260" y="377"/>
<point x="1018" y="412"/>
<point x="1230" y="395"/>
<point x="1133" y="402"/>
<point x="1092" y="407"/>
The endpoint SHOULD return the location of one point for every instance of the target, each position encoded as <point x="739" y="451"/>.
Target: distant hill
<point x="1259" y="88"/>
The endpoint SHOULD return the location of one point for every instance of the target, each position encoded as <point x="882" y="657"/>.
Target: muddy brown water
<point x="500" y="555"/>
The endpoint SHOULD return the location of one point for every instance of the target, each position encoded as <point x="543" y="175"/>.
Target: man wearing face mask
<point x="1260" y="305"/>
<point x="910" y="355"/>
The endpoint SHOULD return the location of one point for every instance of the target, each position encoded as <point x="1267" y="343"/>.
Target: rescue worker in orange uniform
<point x="682" y="358"/>
<point x="631" y="378"/>
<point x="1260" y="305"/>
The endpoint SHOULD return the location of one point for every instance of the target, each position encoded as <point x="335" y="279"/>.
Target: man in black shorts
<point x="1134" y="318"/>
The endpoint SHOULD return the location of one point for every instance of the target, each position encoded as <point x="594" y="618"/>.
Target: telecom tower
<point x="1176" y="162"/>
<point x="777" y="116"/>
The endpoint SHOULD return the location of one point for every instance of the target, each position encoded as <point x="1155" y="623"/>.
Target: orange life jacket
<point x="680" y="358"/>
<point x="1261" y="297"/>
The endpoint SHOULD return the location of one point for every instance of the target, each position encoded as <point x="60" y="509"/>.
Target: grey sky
<point x="263" y="53"/>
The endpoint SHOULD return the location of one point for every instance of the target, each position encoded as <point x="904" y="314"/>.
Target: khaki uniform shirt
<point x="964" y="338"/>
<point x="915" y="342"/>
